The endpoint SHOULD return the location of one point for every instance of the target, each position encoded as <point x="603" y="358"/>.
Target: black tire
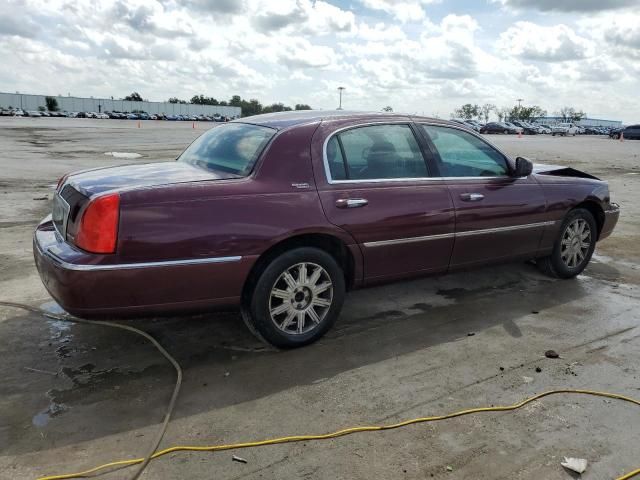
<point x="506" y="132"/>
<point x="256" y="311"/>
<point x="554" y="265"/>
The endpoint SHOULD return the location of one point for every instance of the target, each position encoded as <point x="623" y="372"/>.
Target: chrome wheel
<point x="300" y="298"/>
<point x="576" y="241"/>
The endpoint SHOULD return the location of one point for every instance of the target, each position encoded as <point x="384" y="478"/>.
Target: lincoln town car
<point x="281" y="214"/>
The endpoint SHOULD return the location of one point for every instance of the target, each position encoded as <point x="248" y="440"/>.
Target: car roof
<point x="280" y="120"/>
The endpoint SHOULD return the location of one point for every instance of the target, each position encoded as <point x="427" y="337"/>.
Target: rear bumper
<point x="89" y="286"/>
<point x="610" y="220"/>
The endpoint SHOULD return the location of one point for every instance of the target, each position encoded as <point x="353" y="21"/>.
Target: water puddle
<point x="43" y="418"/>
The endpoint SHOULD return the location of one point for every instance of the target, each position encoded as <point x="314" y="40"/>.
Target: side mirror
<point x="523" y="167"/>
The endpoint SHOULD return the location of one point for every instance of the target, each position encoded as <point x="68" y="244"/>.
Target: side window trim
<point x="336" y="134"/>
<point x="343" y="155"/>
<point x="436" y="154"/>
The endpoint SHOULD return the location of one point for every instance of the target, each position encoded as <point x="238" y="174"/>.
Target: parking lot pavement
<point x="75" y="396"/>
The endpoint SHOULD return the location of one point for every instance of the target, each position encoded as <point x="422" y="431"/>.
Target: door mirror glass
<point x="523" y="167"/>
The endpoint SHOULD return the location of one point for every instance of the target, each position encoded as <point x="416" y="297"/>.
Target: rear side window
<point x="465" y="155"/>
<point x="375" y="152"/>
<point x="232" y="148"/>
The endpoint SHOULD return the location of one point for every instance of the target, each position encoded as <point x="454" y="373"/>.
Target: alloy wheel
<point x="300" y="298"/>
<point x="576" y="241"/>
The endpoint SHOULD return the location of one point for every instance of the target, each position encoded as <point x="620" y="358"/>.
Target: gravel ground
<point x="75" y="396"/>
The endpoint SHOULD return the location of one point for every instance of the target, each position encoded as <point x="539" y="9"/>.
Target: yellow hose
<point x="348" y="431"/>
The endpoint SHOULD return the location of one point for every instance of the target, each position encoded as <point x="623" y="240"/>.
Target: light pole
<point x="520" y="100"/>
<point x="340" y="89"/>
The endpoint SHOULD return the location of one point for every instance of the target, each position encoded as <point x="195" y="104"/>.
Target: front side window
<point x="375" y="152"/>
<point x="232" y="148"/>
<point x="465" y="155"/>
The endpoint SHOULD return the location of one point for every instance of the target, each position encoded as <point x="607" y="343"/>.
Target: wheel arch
<point x="595" y="209"/>
<point x="331" y="244"/>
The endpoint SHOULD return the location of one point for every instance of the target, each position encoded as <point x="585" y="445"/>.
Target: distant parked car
<point x="564" y="129"/>
<point x="18" y="113"/>
<point x="632" y="132"/>
<point x="526" y="128"/>
<point x="516" y="127"/>
<point x="498" y="127"/>
<point x="132" y="116"/>
<point x="33" y="113"/>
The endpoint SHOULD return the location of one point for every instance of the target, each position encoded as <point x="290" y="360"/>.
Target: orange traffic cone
<point x="138" y="123"/>
<point x="520" y="134"/>
<point x="193" y="124"/>
<point x="622" y="136"/>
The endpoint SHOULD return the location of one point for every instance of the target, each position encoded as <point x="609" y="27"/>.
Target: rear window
<point x="232" y="148"/>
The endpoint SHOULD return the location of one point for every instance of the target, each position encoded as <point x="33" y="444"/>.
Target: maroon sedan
<point x="280" y="214"/>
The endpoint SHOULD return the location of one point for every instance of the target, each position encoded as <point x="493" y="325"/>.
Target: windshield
<point x="231" y="148"/>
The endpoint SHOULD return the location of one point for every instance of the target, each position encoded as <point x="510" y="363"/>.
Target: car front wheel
<point x="296" y="299"/>
<point x="573" y="247"/>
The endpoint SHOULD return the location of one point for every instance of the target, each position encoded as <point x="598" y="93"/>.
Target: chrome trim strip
<point x="511" y="228"/>
<point x="129" y="266"/>
<point x="397" y="241"/>
<point x="426" y="238"/>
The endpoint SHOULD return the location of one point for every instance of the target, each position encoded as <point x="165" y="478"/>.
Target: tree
<point x="276" y="107"/>
<point x="202" y="100"/>
<point x="235" y="101"/>
<point x="467" y="111"/>
<point x="252" y="107"/>
<point x="387" y="109"/>
<point x="570" y="114"/>
<point x="134" y="97"/>
<point x="176" y="100"/>
<point x="302" y="106"/>
<point x="485" y="111"/>
<point x="503" y="113"/>
<point x="52" y="104"/>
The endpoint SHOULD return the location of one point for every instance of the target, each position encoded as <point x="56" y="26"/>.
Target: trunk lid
<point x="100" y="180"/>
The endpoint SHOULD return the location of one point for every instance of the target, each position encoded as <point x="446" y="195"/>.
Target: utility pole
<point x="340" y="89"/>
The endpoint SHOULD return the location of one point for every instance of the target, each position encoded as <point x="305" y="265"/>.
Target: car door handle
<point x="351" y="202"/>
<point x="471" y="197"/>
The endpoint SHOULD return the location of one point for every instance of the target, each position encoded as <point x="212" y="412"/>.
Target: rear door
<point x="376" y="184"/>
<point x="498" y="216"/>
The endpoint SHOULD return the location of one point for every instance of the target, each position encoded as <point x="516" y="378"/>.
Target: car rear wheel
<point x="296" y="298"/>
<point x="506" y="132"/>
<point x="573" y="247"/>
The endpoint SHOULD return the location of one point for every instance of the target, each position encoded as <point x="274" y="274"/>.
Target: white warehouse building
<point x="98" y="105"/>
<point x="585" y="122"/>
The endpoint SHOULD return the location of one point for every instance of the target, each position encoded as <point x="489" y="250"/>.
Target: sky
<point x="417" y="56"/>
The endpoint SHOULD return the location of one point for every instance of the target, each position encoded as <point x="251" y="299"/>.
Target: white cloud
<point x="547" y="44"/>
<point x="569" y="5"/>
<point x="384" y="52"/>
<point x="403" y="10"/>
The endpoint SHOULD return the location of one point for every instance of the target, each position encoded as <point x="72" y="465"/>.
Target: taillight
<point x="98" y="230"/>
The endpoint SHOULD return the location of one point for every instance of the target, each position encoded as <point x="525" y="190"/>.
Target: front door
<point x="377" y="186"/>
<point x="498" y="216"/>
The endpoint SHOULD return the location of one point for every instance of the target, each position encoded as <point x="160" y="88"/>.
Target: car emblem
<point x="300" y="185"/>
